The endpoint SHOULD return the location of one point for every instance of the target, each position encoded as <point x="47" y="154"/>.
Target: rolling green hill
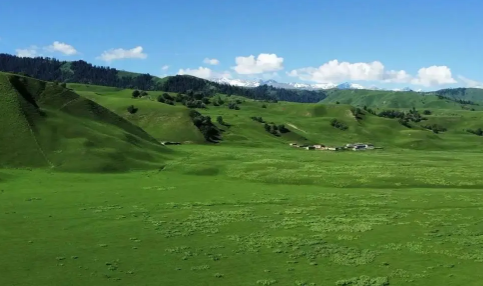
<point x="45" y="125"/>
<point x="395" y="99"/>
<point x="471" y="94"/>
<point x="383" y="217"/>
<point x="308" y="123"/>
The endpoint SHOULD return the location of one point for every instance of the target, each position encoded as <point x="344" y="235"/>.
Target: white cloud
<point x="433" y="76"/>
<point x="470" y="83"/>
<point x="63" y="48"/>
<point x="335" y="71"/>
<point x="165" y="67"/>
<point x="213" y="62"/>
<point x="262" y="64"/>
<point x="29" y="52"/>
<point x="119" y="54"/>
<point x="200" y="72"/>
<point x="203" y="72"/>
<point x="393" y="76"/>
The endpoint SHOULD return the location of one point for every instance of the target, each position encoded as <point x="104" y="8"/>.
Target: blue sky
<point x="425" y="44"/>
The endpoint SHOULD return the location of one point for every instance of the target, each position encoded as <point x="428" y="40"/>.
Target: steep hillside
<point x="469" y="94"/>
<point x="307" y="123"/>
<point x="45" y="125"/>
<point x="395" y="99"/>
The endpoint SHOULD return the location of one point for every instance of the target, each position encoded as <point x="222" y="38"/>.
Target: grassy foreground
<point x="249" y="216"/>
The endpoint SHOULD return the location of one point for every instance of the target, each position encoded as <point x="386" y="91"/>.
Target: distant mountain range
<point x="295" y="85"/>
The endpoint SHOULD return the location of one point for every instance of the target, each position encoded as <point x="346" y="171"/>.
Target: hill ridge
<point x="46" y="125"/>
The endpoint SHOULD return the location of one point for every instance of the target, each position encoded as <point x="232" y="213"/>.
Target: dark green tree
<point x="136" y="93"/>
<point x="267" y="127"/>
<point x="167" y="96"/>
<point x="205" y="100"/>
<point x="219" y="119"/>
<point x="160" y="98"/>
<point x="131" y="109"/>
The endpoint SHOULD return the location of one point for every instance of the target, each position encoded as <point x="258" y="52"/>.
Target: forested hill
<point x="462" y="94"/>
<point x="50" y="69"/>
<point x="181" y="83"/>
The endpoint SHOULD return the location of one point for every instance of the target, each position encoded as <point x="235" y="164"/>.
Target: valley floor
<point x="249" y="216"/>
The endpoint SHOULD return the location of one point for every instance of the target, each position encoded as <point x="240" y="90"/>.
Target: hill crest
<point x="46" y="125"/>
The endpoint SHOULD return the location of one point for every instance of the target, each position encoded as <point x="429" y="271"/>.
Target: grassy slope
<point x="472" y="94"/>
<point x="392" y="99"/>
<point x="242" y="216"/>
<point x="44" y="125"/>
<point x="308" y="123"/>
<point x="163" y="122"/>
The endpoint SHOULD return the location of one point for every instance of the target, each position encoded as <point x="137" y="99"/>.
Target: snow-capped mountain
<point x="296" y="85"/>
<point x="407" y="89"/>
<point x="271" y="82"/>
<point x="348" y="85"/>
<point x="237" y="82"/>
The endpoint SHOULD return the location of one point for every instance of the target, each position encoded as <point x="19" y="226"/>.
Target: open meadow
<point x="241" y="143"/>
<point x="227" y="215"/>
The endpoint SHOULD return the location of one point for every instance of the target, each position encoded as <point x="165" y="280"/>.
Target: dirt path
<point x="295" y="127"/>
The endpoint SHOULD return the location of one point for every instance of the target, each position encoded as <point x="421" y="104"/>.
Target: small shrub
<point x="338" y="124"/>
<point x="427" y="112"/>
<point x="404" y="122"/>
<point x="478" y="131"/>
<point x="274" y="132"/>
<point x="131" y="109"/>
<point x="267" y="127"/>
<point x="166" y="96"/>
<point x="283" y="129"/>
<point x="358" y="113"/>
<point x="195" y="104"/>
<point x="161" y="99"/>
<point x="219" y="119"/>
<point x="233" y="105"/>
<point x="179" y="97"/>
<point x="258" y="119"/>
<point x="264" y="106"/>
<point x="435" y="128"/>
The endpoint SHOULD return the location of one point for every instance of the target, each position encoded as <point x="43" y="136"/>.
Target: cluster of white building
<point x="354" y="147"/>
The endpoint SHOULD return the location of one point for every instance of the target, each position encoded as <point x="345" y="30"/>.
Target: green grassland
<point x="249" y="210"/>
<point x="229" y="215"/>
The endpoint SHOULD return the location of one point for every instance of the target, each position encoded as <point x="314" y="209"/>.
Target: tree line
<point x="51" y="69"/>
